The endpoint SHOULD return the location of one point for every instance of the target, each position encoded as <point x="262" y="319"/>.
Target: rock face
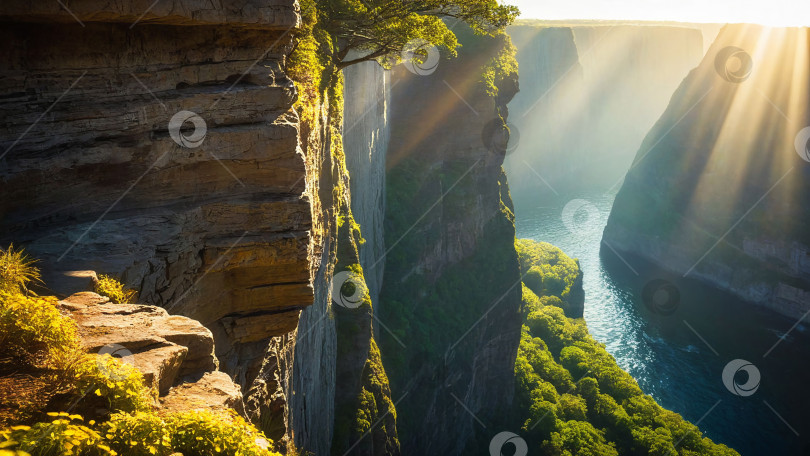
<point x="573" y="81"/>
<point x="366" y="136"/>
<point x="93" y="178"/>
<point x="717" y="190"/>
<point x="363" y="395"/>
<point x="214" y="218"/>
<point x="175" y="353"/>
<point x="449" y="324"/>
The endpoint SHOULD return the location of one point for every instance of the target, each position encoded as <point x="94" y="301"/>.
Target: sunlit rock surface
<point x="719" y="189"/>
<point x="174" y="353"/>
<point x="227" y="231"/>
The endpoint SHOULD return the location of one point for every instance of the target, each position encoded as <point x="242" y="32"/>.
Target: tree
<point x="381" y="30"/>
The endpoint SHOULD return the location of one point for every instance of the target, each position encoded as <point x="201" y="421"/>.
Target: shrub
<point x="114" y="289"/>
<point x="32" y="330"/>
<point x="206" y="433"/>
<point x="121" y="384"/>
<point x="63" y="436"/>
<point x="17" y="270"/>
<point x="138" y="433"/>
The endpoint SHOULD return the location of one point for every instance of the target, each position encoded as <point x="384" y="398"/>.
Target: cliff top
<point x="260" y="14"/>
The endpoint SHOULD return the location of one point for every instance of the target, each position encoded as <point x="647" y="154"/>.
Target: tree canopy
<point x="381" y="30"/>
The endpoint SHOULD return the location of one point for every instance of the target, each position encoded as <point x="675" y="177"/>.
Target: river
<point x="678" y="357"/>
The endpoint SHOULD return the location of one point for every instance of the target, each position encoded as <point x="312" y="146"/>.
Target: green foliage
<point x="64" y="436"/>
<point x="207" y="433"/>
<point x="114" y="289"/>
<point x="381" y="29"/>
<point x="121" y="384"/>
<point x="570" y="393"/>
<point x="138" y="433"/>
<point x="200" y="433"/>
<point x="32" y="331"/>
<point x="546" y="269"/>
<point x="500" y="67"/>
<point x="578" y="438"/>
<point x="17" y="270"/>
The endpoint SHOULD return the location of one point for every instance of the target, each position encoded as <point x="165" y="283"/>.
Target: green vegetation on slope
<point x="571" y="396"/>
<point x="550" y="274"/>
<point x="49" y="386"/>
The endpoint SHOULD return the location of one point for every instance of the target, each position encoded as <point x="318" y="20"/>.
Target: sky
<point x="766" y="12"/>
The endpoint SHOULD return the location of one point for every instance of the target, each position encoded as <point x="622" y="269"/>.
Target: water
<point x="665" y="353"/>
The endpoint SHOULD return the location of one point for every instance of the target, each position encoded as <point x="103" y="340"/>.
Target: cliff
<point x="717" y="191"/>
<point x="192" y="151"/>
<point x="98" y="173"/>
<point x="449" y="322"/>
<point x="574" y="81"/>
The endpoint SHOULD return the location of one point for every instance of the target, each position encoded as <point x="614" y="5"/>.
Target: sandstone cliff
<point x="717" y="190"/>
<point x="449" y="324"/>
<point x="230" y="231"/>
<point x="220" y="231"/>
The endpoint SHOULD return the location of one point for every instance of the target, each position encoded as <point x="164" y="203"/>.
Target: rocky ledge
<point x="174" y="353"/>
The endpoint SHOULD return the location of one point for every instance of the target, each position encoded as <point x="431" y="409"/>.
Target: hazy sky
<point x="768" y="12"/>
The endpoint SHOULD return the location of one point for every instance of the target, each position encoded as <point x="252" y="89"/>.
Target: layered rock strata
<point x="157" y="142"/>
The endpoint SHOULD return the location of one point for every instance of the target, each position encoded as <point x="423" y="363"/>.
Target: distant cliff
<point x="574" y="81"/>
<point x="449" y="321"/>
<point x="717" y="190"/>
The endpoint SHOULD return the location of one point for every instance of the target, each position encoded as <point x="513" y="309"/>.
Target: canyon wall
<point x="718" y="190"/>
<point x="209" y="218"/>
<point x="366" y="136"/>
<point x="574" y="81"/>
<point x="159" y="143"/>
<point x="449" y="322"/>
